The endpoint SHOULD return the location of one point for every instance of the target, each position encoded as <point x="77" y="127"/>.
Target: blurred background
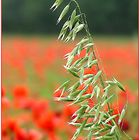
<point x="33" y="59"/>
<point x="111" y="17"/>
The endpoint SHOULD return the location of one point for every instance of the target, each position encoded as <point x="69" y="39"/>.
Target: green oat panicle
<point x="97" y="121"/>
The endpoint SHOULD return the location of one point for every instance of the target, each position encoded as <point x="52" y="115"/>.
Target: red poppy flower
<point x="12" y="125"/>
<point x="2" y="92"/>
<point x="28" y="103"/>
<point x="21" y="134"/>
<point x="81" y="87"/>
<point x="81" y="55"/>
<point x="20" y="92"/>
<point x="4" y="127"/>
<point x="39" y="108"/>
<point x="58" y="93"/>
<point x="91" y="70"/>
<point x="90" y="102"/>
<point x="124" y="125"/>
<point x="5" y="103"/>
<point x="69" y="110"/>
<point x="88" y="91"/>
<point x="46" y="122"/>
<point x="53" y="136"/>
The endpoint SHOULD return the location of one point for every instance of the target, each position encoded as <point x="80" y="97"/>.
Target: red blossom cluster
<point x="26" y="114"/>
<point x="33" y="118"/>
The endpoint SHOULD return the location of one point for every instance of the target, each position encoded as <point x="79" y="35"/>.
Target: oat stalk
<point x="98" y="121"/>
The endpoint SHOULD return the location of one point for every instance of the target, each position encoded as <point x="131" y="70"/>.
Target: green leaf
<point x="88" y="45"/>
<point x="63" y="85"/>
<point x="94" y="108"/>
<point x="106" y="125"/>
<point x="84" y="40"/>
<point x="90" y="135"/>
<point x="88" y="76"/>
<point x="105" y="138"/>
<point x="111" y="118"/>
<point x="63" y="99"/>
<point x="75" y="124"/>
<point x="89" y="125"/>
<point x="82" y="98"/>
<point x="101" y="117"/>
<point x="97" y="113"/>
<point x="77" y="62"/>
<point x="74" y="94"/>
<point x="106" y="91"/>
<point x="79" y="124"/>
<point x="63" y="90"/>
<point x="101" y="131"/>
<point x="90" y="58"/>
<point x="119" y="85"/>
<point x="75" y="86"/>
<point x="79" y="49"/>
<point x="110" y="82"/>
<point x="70" y="60"/>
<point x="78" y="131"/>
<point x="56" y="4"/>
<point x="83" y="60"/>
<point x="76" y="19"/>
<point x="73" y="15"/>
<point x="82" y="91"/>
<point x="79" y="28"/>
<point x="97" y="76"/>
<point x="81" y="75"/>
<point x="81" y="110"/>
<point x="73" y="35"/>
<point x="107" y="87"/>
<point x="74" y="51"/>
<point x="97" y="91"/>
<point x="63" y="30"/>
<point x="63" y="13"/>
<point x="92" y="94"/>
<point x="107" y="100"/>
<point x="74" y="69"/>
<point x="93" y="63"/>
<point x="121" y="116"/>
<point x="69" y="36"/>
<point x="72" y="72"/>
<point x="62" y="35"/>
<point x="88" y="81"/>
<point x="113" y="129"/>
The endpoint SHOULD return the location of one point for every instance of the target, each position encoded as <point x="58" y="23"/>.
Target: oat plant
<point x="97" y="121"/>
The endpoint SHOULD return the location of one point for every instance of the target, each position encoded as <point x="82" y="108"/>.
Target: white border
<point x="139" y="55"/>
<point x="0" y="59"/>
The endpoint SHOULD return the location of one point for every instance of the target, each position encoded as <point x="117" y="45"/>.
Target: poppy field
<point x="32" y="69"/>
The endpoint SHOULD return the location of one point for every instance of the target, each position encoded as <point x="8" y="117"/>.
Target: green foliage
<point x="103" y="124"/>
